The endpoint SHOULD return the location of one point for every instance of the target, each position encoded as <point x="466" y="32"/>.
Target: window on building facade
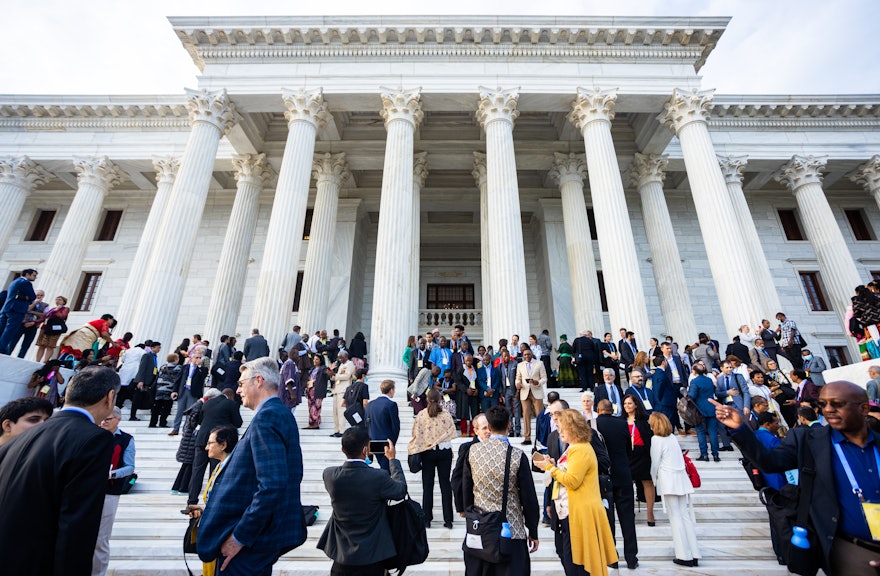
<point x="591" y="218"/>
<point x="790" y="225"/>
<point x="307" y="227"/>
<point x="859" y="225"/>
<point x="40" y="228"/>
<point x="837" y="355"/>
<point x="88" y="290"/>
<point x="814" y="291"/>
<point x="602" y="298"/>
<point x="451" y="296"/>
<point x="109" y="226"/>
<point x="298" y="292"/>
<point x="875" y="274"/>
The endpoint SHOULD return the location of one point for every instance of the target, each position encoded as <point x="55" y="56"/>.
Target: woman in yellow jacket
<point x="592" y="545"/>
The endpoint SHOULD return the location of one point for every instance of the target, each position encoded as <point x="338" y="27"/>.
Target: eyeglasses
<point x="243" y="380"/>
<point x="836" y="404"/>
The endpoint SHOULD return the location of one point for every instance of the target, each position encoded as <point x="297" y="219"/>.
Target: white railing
<point x="430" y="318"/>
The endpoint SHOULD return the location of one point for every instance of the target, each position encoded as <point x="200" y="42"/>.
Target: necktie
<point x="728" y="383"/>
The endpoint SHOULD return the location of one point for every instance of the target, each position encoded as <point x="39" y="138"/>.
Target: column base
<point x="377" y="374"/>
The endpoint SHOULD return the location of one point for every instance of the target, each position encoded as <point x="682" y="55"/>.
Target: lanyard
<point x="645" y="397"/>
<point x="849" y="473"/>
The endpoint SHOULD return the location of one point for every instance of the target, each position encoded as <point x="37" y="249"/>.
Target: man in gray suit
<point x="256" y="346"/>
<point x="814" y="366"/>
<point x="357" y="537"/>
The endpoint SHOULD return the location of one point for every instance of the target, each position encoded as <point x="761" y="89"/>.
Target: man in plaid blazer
<point x="254" y="514"/>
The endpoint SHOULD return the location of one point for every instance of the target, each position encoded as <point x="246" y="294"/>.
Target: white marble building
<point x="404" y="166"/>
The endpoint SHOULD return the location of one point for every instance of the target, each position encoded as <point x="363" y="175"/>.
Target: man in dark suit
<point x="619" y="444"/>
<point x="584" y="356"/>
<point x="254" y="514"/>
<point x="609" y="390"/>
<point x="666" y="392"/>
<point x="357" y="537"/>
<point x="457" y="360"/>
<point x="189" y="387"/>
<point x="770" y="338"/>
<point x="418" y="359"/>
<point x="481" y="433"/>
<point x="19" y="296"/>
<point x="738" y="349"/>
<point x="53" y="478"/>
<point x="256" y="346"/>
<point x="646" y="396"/>
<point x="628" y="351"/>
<point x="384" y="419"/>
<point x="610" y="356"/>
<point x="148" y="371"/>
<point x="217" y="411"/>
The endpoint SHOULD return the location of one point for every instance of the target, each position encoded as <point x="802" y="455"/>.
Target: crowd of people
<point x="597" y="459"/>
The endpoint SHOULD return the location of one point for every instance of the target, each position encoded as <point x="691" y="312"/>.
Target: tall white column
<point x="18" y="177"/>
<point x="392" y="290"/>
<point x="738" y="291"/>
<point x="420" y="173"/>
<point x="331" y="173"/>
<point x="211" y="114"/>
<point x="346" y="275"/>
<point x="306" y="112"/>
<point x="592" y="113"/>
<point x="508" y="300"/>
<point x="252" y="171"/>
<point x="96" y="176"/>
<point x="569" y="171"/>
<point x="479" y="174"/>
<point x="648" y="172"/>
<point x="868" y="175"/>
<point x="731" y="169"/>
<point x="166" y="170"/>
<point x="802" y="175"/>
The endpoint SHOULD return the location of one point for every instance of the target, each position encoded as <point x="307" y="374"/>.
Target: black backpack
<point x="409" y="534"/>
<point x="755" y="476"/>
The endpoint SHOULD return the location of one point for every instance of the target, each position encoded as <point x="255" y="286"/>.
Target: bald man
<point x="846" y="444"/>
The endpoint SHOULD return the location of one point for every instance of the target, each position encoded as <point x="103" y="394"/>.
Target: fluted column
<point x="508" y="300"/>
<point x="802" y="175"/>
<point x="479" y="174"/>
<point x="306" y="112"/>
<point x="212" y="115"/>
<point x="420" y="173"/>
<point x="569" y="171"/>
<point x="402" y="111"/>
<point x="18" y="177"/>
<point x="166" y="170"/>
<point x="731" y="169"/>
<point x="686" y="114"/>
<point x="96" y="176"/>
<point x="331" y="173"/>
<point x="868" y="175"/>
<point x="252" y="171"/>
<point x="648" y="172"/>
<point x="592" y="113"/>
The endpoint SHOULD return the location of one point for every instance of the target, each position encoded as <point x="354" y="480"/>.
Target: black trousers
<point x="518" y="565"/>
<point x="160" y="411"/>
<point x="345" y="570"/>
<point x="441" y="460"/>
<point x="563" y="549"/>
<point x="200" y="463"/>
<point x="793" y="353"/>
<point x="625" y="504"/>
<point x="585" y="370"/>
<point x="125" y="393"/>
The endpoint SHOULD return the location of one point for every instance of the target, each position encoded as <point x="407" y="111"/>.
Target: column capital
<point x="686" y="106"/>
<point x="592" y="105"/>
<point x="98" y="171"/>
<point x="212" y="108"/>
<point x="166" y="168"/>
<point x="252" y="169"/>
<point x="497" y="104"/>
<point x="801" y="170"/>
<point x="647" y="168"/>
<point x="400" y="104"/>
<point x="305" y="106"/>
<point x="868" y="174"/>
<point x="332" y="168"/>
<point x="479" y="172"/>
<point x="568" y="168"/>
<point x="420" y="168"/>
<point x="22" y="172"/>
<point x="732" y="168"/>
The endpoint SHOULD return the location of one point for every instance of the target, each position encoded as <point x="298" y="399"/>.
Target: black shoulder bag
<point x="409" y="533"/>
<point x="483" y="538"/>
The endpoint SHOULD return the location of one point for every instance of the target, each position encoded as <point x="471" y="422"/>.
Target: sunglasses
<point x="836" y="404"/>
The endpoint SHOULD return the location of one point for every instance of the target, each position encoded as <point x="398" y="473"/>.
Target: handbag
<point x="689" y="412"/>
<point x="409" y="534"/>
<point x="54" y="327"/>
<point x="310" y="513"/>
<point x="483" y="539"/>
<point x="415" y="463"/>
<point x="691" y="470"/>
<point x="190" y="536"/>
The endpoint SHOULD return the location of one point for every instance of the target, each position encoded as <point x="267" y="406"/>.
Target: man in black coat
<point x="619" y="444"/>
<point x="218" y="410"/>
<point x="836" y="512"/>
<point x="738" y="349"/>
<point x="53" y="478"/>
<point x="189" y="387"/>
<point x="771" y="340"/>
<point x="584" y="356"/>
<point x="148" y="371"/>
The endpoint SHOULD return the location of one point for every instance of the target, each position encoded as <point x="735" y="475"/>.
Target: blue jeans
<point x="712" y="424"/>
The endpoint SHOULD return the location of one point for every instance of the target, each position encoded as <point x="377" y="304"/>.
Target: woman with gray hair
<point x="587" y="400"/>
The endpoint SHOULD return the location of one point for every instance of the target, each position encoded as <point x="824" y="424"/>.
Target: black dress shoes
<point x="703" y="459"/>
<point x="726" y="449"/>
<point x="688" y="563"/>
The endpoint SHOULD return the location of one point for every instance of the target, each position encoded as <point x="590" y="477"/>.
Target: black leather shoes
<point x="688" y="563"/>
<point x="716" y="458"/>
<point x="703" y="459"/>
<point x="726" y="449"/>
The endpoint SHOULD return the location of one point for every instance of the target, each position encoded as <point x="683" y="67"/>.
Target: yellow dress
<point x="592" y="545"/>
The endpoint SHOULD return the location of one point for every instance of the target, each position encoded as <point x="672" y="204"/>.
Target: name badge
<point x="311" y="384"/>
<point x="220" y="371"/>
<point x="872" y="515"/>
<point x="473" y="386"/>
<point x="479" y="364"/>
<point x="647" y="404"/>
<point x="614" y="408"/>
<point x="729" y="399"/>
<point x="419" y="363"/>
<point x="446" y="397"/>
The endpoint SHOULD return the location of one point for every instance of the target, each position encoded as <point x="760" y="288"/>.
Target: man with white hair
<point x="342" y="379"/>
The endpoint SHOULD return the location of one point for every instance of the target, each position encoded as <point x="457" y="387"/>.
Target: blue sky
<point x="124" y="47"/>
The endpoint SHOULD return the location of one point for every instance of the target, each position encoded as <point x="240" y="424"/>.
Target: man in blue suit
<point x="489" y="382"/>
<point x="702" y="389"/>
<point x="645" y="395"/>
<point x="254" y="514"/>
<point x="19" y="296"/>
<point x="384" y="419"/>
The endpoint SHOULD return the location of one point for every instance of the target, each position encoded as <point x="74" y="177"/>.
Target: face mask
<point x="808" y="358"/>
<point x="368" y="461"/>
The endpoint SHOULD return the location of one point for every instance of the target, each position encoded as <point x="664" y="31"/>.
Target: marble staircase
<point x="731" y="523"/>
